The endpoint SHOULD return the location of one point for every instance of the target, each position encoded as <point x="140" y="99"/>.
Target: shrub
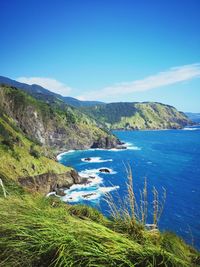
<point x="33" y="152"/>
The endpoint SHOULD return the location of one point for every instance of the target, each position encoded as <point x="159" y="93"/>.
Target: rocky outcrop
<point x="106" y="142"/>
<point x="50" y="182"/>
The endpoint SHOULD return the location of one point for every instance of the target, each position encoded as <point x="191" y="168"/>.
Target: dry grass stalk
<point x="127" y="209"/>
<point x="3" y="188"/>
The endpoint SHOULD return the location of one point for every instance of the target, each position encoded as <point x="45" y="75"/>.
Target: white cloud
<point x="48" y="83"/>
<point x="168" y="77"/>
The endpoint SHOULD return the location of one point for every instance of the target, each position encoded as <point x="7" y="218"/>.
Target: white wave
<point x="131" y="146"/>
<point x="51" y="194"/>
<point x="116" y="149"/>
<point x="86" y="173"/>
<point x="107" y="150"/>
<point x="95" y="160"/>
<point x="59" y="156"/>
<point x="190" y="129"/>
<point x="92" y="181"/>
<point x="96" y="149"/>
<point x="91" y="172"/>
<point x="134" y="148"/>
<point x="77" y="196"/>
<point x="108" y="189"/>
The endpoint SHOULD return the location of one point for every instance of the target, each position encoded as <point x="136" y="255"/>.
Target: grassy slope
<point x="21" y="157"/>
<point x="38" y="231"/>
<point x="137" y="115"/>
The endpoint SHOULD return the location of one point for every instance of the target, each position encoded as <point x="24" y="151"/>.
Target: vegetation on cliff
<point x="22" y="157"/>
<point x="32" y="132"/>
<point x="37" y="231"/>
<point x="146" y="115"/>
<point x="59" y="128"/>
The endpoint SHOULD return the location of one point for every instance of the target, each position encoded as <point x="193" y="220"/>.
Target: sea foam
<point x="90" y="195"/>
<point x="59" y="156"/>
<point x="131" y="146"/>
<point x="95" y="160"/>
<point x="86" y="173"/>
<point x="190" y="129"/>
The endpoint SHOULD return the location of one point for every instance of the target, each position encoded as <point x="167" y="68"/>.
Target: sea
<point x="168" y="160"/>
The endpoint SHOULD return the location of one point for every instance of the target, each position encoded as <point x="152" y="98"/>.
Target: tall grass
<point x="3" y="188"/>
<point x="128" y="210"/>
<point x="44" y="232"/>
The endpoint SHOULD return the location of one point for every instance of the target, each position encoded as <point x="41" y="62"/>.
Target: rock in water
<point x="87" y="159"/>
<point x="104" y="170"/>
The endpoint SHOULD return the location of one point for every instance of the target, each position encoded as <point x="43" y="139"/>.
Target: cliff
<point x="32" y="132"/>
<point x="23" y="163"/>
<point x="60" y="129"/>
<point x="137" y="116"/>
<point x="50" y="182"/>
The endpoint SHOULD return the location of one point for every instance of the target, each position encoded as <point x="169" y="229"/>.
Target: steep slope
<point x="25" y="163"/>
<point x="146" y="115"/>
<point x="41" y="93"/>
<point x="60" y="129"/>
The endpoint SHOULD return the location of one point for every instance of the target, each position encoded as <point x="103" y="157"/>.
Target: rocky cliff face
<point x="50" y="182"/>
<point x="59" y="129"/>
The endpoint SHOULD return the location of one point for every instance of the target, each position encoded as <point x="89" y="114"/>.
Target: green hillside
<point x="52" y="126"/>
<point x="146" y="115"/>
<point x="22" y="157"/>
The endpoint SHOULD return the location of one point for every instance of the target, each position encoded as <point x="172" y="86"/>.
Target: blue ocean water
<point x="167" y="158"/>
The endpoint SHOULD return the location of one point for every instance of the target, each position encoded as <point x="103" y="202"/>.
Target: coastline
<point x="126" y="145"/>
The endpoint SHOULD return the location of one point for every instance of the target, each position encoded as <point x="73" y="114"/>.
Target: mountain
<point x="41" y="93"/>
<point x="146" y="115"/>
<point x="78" y="103"/>
<point x="195" y="117"/>
<point x="32" y="132"/>
<point x="123" y="115"/>
<point x="60" y="129"/>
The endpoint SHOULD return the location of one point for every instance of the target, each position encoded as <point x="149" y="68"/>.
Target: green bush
<point x="34" y="152"/>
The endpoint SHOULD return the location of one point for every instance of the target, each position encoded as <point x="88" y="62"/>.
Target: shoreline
<point x="59" y="155"/>
<point x="151" y="129"/>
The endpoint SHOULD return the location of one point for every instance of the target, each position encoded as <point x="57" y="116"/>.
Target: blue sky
<point x="109" y="50"/>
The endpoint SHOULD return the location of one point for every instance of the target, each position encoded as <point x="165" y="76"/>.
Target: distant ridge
<point x="138" y="116"/>
<point x="112" y="116"/>
<point x="195" y="117"/>
<point x="40" y="92"/>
